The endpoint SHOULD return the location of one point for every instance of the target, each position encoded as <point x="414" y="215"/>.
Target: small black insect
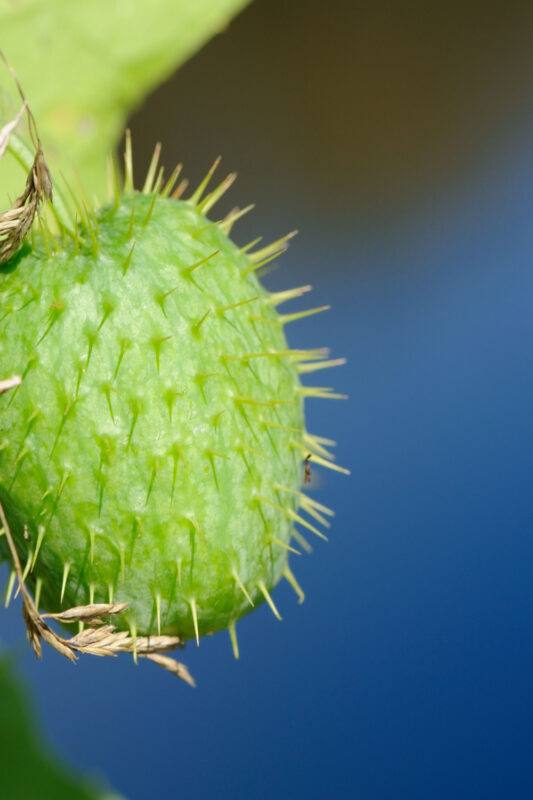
<point x="307" y="469"/>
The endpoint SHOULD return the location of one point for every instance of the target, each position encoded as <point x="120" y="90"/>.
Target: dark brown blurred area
<point x="364" y="105"/>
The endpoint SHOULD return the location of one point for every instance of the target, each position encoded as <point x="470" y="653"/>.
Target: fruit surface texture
<point x="153" y="451"/>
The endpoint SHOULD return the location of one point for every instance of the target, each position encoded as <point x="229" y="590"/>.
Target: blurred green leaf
<point x="85" y="65"/>
<point x="27" y="770"/>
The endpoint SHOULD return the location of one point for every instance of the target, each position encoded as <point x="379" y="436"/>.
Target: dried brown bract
<point x="99" y="638"/>
<point x="17" y="220"/>
<point x="91" y="613"/>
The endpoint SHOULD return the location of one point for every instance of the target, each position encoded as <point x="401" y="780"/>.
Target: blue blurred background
<point x="398" y="142"/>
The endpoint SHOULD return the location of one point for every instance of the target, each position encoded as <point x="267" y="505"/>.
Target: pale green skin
<point x="132" y="440"/>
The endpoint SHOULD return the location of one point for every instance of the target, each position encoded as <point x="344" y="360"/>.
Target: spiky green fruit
<point x="153" y="452"/>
